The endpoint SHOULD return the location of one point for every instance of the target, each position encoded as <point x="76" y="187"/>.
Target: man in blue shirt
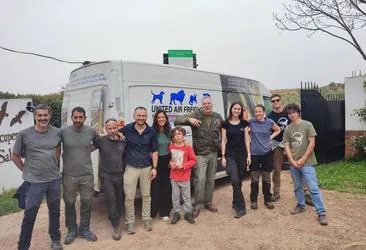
<point x="141" y="151"/>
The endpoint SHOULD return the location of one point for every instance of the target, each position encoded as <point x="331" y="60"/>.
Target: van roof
<point x="164" y="65"/>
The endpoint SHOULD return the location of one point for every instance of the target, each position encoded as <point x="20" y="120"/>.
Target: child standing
<point x="182" y="160"/>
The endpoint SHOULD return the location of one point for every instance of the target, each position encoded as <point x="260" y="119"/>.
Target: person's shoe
<point x="176" y="218"/>
<point x="56" y="245"/>
<point x="70" y="237"/>
<point x="147" y="225"/>
<point x="239" y="214"/>
<point x="275" y="197"/>
<point x="131" y="229"/>
<point x="88" y="235"/>
<point x="189" y="217"/>
<point x="308" y="200"/>
<point x="196" y="213"/>
<point x="210" y="207"/>
<point x="165" y="218"/>
<point x="269" y="205"/>
<point x="297" y="210"/>
<point x="323" y="220"/>
<point x="254" y="205"/>
<point x="116" y="233"/>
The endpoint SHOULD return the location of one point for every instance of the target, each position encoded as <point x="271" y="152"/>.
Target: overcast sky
<point x="233" y="37"/>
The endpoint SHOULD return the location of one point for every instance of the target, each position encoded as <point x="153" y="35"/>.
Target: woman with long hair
<point x="161" y="190"/>
<point x="236" y="153"/>
<point x="262" y="131"/>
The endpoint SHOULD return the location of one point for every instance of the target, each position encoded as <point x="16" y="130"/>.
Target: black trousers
<point x="261" y="165"/>
<point x="34" y="196"/>
<point x="236" y="168"/>
<point x="113" y="197"/>
<point x="161" y="189"/>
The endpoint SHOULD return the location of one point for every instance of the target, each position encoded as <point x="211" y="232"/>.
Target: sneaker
<point x="254" y="205"/>
<point x="147" y="225"/>
<point x="116" y="233"/>
<point x="308" y="200"/>
<point x="88" y="235"/>
<point x="275" y="197"/>
<point x="131" y="229"/>
<point x="297" y="210"/>
<point x="56" y="245"/>
<point x="323" y="220"/>
<point x="210" y="207"/>
<point x="165" y="218"/>
<point x="239" y="214"/>
<point x="269" y="205"/>
<point x="196" y="212"/>
<point x="71" y="235"/>
<point x="189" y="217"/>
<point x="176" y="218"/>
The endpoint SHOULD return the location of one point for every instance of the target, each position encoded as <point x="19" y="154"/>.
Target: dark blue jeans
<point x="33" y="200"/>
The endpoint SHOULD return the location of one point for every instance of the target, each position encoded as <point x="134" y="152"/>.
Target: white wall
<point x="355" y="97"/>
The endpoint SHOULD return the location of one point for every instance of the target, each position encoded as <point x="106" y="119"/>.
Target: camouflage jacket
<point x="206" y="137"/>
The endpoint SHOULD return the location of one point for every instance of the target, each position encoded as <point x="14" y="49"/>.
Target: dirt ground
<point x="259" y="229"/>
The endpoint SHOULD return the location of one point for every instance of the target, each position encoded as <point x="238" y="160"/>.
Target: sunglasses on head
<point x="275" y="100"/>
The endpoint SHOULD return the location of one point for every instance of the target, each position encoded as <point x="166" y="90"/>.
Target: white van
<point x="114" y="88"/>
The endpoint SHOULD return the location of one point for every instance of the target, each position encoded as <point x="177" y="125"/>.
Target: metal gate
<point x="327" y="113"/>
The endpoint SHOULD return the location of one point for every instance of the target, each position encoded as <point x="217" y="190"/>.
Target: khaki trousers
<point x="131" y="176"/>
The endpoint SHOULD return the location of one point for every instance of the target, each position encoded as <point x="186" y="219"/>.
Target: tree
<point x="338" y="18"/>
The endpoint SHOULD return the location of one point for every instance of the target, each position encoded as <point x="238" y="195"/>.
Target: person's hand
<point x="301" y="161"/>
<point x="121" y="136"/>
<point x="172" y="165"/>
<point x="194" y="122"/>
<point x="249" y="160"/>
<point x="180" y="166"/>
<point x="223" y="162"/>
<point x="153" y="173"/>
<point x="294" y="164"/>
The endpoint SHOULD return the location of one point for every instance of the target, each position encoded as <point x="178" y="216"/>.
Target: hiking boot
<point x="56" y="245"/>
<point x="116" y="233"/>
<point x="88" y="235"/>
<point x="196" y="213"/>
<point x="308" y="200"/>
<point x="189" y="217"/>
<point x="70" y="237"/>
<point x="131" y="228"/>
<point x="176" y="218"/>
<point x="147" y="225"/>
<point x="254" y="205"/>
<point x="269" y="205"/>
<point x="297" y="210"/>
<point x="323" y="220"/>
<point x="210" y="207"/>
<point x="275" y="197"/>
<point x="239" y="214"/>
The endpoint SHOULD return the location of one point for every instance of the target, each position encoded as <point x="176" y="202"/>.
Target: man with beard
<point x="206" y="129"/>
<point x="141" y="161"/>
<point x="40" y="146"/>
<point x="78" y="175"/>
<point x="111" y="148"/>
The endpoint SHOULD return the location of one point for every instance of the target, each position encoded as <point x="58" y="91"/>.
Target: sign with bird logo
<point x="14" y="117"/>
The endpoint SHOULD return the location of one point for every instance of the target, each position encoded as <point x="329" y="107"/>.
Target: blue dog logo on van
<point x="179" y="96"/>
<point x="193" y="99"/>
<point x="157" y="97"/>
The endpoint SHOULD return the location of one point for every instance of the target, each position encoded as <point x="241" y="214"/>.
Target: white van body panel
<point x="115" y="88"/>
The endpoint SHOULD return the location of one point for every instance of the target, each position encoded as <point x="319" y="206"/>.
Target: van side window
<point x="267" y="104"/>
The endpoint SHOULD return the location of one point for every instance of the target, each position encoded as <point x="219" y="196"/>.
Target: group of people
<point x="159" y="158"/>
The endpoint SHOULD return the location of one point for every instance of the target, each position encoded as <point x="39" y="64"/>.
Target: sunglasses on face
<point x="275" y="100"/>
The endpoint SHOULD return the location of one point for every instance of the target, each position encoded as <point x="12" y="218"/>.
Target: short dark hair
<point x="292" y="107"/>
<point x="78" y="109"/>
<point x="260" y="106"/>
<point x="110" y="119"/>
<point x="140" y="108"/>
<point x="182" y="130"/>
<point x="275" y="95"/>
<point x="43" y="107"/>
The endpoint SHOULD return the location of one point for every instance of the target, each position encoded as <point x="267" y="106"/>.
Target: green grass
<point x="7" y="203"/>
<point x="343" y="176"/>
